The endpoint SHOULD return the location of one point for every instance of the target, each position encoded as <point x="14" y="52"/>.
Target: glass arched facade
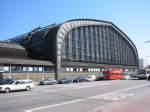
<point x="98" y="44"/>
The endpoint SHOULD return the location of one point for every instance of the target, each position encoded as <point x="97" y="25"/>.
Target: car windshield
<point x="6" y="81"/>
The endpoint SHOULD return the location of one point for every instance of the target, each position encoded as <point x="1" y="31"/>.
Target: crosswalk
<point x="112" y="96"/>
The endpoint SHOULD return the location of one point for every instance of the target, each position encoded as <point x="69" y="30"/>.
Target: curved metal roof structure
<point x="69" y="25"/>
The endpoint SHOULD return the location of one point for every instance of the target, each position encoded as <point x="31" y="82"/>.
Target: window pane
<point x="35" y="68"/>
<point x="40" y="69"/>
<point x="6" y="68"/>
<point x="16" y="68"/>
<point x="30" y="69"/>
<point x="25" y="69"/>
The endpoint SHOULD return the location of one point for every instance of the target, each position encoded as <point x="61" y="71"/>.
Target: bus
<point x="142" y="73"/>
<point x="113" y="74"/>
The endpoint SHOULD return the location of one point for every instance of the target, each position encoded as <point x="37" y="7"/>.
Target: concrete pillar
<point x="43" y="73"/>
<point x="10" y="71"/>
<point x="28" y="73"/>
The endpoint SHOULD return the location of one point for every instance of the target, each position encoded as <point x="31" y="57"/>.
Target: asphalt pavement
<point x="99" y="96"/>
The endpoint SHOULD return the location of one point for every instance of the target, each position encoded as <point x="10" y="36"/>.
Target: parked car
<point x="48" y="82"/>
<point x="92" y="77"/>
<point x="129" y="77"/>
<point x="7" y="85"/>
<point x="125" y="77"/>
<point x="142" y="73"/>
<point x="81" y="79"/>
<point x="65" y="80"/>
<point x="101" y="77"/>
<point x="133" y="77"/>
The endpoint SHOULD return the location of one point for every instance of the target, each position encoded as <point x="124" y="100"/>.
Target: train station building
<point x="69" y="49"/>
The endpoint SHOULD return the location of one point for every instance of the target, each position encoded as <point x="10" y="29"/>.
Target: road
<point x="99" y="96"/>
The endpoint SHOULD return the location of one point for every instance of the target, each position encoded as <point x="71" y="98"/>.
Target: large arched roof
<point x="68" y="25"/>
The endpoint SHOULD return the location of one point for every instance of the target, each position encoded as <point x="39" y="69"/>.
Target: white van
<point x="92" y="77"/>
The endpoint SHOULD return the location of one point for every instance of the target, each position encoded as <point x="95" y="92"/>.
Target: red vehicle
<point x="113" y="74"/>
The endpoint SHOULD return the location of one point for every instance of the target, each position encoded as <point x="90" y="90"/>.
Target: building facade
<point x="141" y="63"/>
<point x="14" y="63"/>
<point x="80" y="47"/>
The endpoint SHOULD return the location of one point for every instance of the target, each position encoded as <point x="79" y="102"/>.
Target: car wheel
<point x="28" y="88"/>
<point x="7" y="90"/>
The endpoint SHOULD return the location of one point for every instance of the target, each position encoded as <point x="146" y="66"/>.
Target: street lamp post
<point x="147" y="41"/>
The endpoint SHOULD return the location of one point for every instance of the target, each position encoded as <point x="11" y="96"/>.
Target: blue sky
<point x="131" y="16"/>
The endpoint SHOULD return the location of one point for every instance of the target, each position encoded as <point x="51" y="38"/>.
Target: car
<point x="8" y="85"/>
<point x="142" y="74"/>
<point x="126" y="77"/>
<point x="65" y="80"/>
<point x="133" y="77"/>
<point x="48" y="82"/>
<point x="81" y="79"/>
<point x="148" y="78"/>
<point x="101" y="77"/>
<point x="129" y="77"/>
<point x="92" y="77"/>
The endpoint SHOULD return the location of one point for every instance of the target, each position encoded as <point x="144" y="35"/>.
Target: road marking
<point x="92" y="97"/>
<point x="112" y="96"/>
<point x="117" y="91"/>
<point x="82" y="85"/>
<point x="94" y="85"/>
<point x="123" y="96"/>
<point x="12" y="95"/>
<point x="69" y="102"/>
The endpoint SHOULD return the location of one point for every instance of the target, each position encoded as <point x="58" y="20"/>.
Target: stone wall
<point x="36" y="77"/>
